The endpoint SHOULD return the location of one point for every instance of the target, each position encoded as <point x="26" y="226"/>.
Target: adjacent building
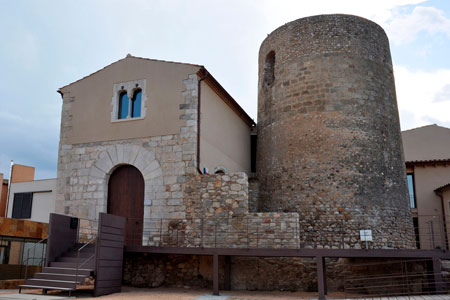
<point x="3" y="194"/>
<point x="427" y="157"/>
<point x="29" y="199"/>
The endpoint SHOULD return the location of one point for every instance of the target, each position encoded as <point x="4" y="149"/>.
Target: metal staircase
<point x="77" y="249"/>
<point x="67" y="271"/>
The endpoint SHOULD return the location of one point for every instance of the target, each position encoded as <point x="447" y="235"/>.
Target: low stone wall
<point x="290" y="274"/>
<point x="217" y="216"/>
<point x="253" y="194"/>
<point x="321" y="227"/>
<point x="352" y="276"/>
<point x="216" y="196"/>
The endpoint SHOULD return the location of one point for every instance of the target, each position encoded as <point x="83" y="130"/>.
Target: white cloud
<point x="443" y="94"/>
<point x="279" y="12"/>
<point x="404" y="28"/>
<point x="422" y="96"/>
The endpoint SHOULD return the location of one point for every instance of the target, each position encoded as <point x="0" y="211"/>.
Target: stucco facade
<point x="427" y="157"/>
<point x="43" y="199"/>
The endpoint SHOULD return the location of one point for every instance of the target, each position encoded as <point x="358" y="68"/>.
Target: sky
<point x="47" y="44"/>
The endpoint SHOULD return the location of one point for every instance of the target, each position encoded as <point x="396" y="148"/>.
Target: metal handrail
<point x="86" y="260"/>
<point x="28" y="256"/>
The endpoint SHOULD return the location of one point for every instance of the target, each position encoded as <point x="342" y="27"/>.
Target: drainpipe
<point x="444" y="219"/>
<point x="198" y="118"/>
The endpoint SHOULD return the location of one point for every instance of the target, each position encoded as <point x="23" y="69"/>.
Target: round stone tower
<point x="329" y="143"/>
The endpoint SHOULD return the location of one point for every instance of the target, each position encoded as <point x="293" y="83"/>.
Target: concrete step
<point x="74" y="259"/>
<point x="78" y="246"/>
<point x="73" y="265"/>
<point x="83" y="253"/>
<point x="54" y="283"/>
<point x="59" y="276"/>
<point x="59" y="270"/>
<point x="27" y="286"/>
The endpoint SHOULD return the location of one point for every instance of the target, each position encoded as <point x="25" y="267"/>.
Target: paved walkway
<point x="186" y="294"/>
<point x="415" y="297"/>
<point x="29" y="297"/>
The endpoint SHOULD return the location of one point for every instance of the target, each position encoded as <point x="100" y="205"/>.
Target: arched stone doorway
<point x="126" y="198"/>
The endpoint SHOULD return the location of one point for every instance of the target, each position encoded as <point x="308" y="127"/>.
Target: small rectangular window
<point x="22" y="205"/>
<point x="411" y="190"/>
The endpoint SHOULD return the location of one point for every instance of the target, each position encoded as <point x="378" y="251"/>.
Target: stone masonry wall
<point x="217" y="216"/>
<point x="164" y="162"/>
<point x="253" y="194"/>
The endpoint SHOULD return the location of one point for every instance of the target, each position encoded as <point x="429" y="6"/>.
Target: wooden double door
<point x="126" y="199"/>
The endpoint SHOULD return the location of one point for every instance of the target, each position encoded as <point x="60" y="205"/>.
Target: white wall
<point x="224" y="136"/>
<point x="43" y="202"/>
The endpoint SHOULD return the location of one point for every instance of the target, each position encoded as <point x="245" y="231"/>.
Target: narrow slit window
<point x="136" y="104"/>
<point x="123" y="105"/>
<point x="269" y="68"/>
<point x="411" y="190"/>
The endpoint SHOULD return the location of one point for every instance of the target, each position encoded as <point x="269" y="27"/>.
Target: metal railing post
<point x="257" y="235"/>
<point x="432" y="235"/>
<point x="299" y="235"/>
<point x="201" y="234"/>
<point x="248" y="236"/>
<point x="27" y="261"/>
<point x="78" y="258"/>
<point x="26" y="266"/>
<point x="215" y="234"/>
<point x="160" y="232"/>
<point x="42" y="258"/>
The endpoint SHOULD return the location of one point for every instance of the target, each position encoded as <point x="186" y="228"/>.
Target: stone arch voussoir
<point x="121" y="154"/>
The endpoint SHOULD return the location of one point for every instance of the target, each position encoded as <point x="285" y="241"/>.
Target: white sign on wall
<point x="366" y="235"/>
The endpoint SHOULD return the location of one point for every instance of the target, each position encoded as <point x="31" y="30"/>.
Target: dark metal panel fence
<point x="109" y="254"/>
<point x="62" y="235"/>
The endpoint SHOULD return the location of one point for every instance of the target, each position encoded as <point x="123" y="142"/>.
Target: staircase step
<point x="54" y="283"/>
<point x="74" y="259"/>
<point x="59" y="276"/>
<point x="27" y="286"/>
<point x="83" y="253"/>
<point x="59" y="264"/>
<point x="58" y="270"/>
<point x="78" y="246"/>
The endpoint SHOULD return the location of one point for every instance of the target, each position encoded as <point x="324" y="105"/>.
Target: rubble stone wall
<point x="253" y="194"/>
<point x="217" y="216"/>
<point x="353" y="276"/>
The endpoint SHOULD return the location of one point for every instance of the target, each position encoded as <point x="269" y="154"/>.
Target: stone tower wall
<point x="329" y="144"/>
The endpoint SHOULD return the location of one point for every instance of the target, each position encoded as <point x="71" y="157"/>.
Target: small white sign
<point x="366" y="235"/>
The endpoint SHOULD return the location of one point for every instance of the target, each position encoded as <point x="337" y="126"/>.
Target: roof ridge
<point x="422" y="127"/>
<point x="128" y="56"/>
